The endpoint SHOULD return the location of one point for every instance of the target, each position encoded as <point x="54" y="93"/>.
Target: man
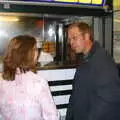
<point x="96" y="85"/>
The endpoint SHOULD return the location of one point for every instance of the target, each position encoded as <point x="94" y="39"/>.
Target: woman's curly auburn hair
<point x="19" y="54"/>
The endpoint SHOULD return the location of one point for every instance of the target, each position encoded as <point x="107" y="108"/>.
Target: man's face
<point x="76" y="39"/>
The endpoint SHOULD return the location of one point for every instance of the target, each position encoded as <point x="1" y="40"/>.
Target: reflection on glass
<point x="49" y="31"/>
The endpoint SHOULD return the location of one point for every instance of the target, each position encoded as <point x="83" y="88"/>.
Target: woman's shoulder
<point x="36" y="77"/>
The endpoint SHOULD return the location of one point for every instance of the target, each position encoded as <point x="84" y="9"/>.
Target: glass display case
<point x="48" y="24"/>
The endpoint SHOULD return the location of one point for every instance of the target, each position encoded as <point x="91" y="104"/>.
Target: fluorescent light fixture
<point x="97" y="1"/>
<point x="9" y="18"/>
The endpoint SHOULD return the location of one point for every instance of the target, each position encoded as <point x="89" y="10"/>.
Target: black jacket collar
<point x="85" y="58"/>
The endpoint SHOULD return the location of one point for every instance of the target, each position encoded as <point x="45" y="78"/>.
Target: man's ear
<point x="87" y="36"/>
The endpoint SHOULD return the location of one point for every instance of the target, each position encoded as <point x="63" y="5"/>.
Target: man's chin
<point x="78" y="52"/>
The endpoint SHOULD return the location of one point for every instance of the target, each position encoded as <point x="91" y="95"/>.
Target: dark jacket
<point x="96" y="88"/>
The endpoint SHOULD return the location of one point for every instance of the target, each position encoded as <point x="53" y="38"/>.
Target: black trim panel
<point x="62" y="92"/>
<point x="61" y="82"/>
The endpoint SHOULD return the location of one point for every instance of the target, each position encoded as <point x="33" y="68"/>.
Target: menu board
<point x="78" y="2"/>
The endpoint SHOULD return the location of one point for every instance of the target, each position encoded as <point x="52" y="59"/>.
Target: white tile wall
<point x="56" y="75"/>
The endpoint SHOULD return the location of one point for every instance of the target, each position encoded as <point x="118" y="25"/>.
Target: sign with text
<point x="75" y="2"/>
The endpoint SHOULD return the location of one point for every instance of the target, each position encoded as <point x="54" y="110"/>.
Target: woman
<point x="24" y="95"/>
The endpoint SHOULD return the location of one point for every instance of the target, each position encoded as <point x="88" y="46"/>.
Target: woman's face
<point x="36" y="53"/>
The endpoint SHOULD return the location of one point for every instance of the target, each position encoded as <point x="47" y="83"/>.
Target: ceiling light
<point x="9" y="19"/>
